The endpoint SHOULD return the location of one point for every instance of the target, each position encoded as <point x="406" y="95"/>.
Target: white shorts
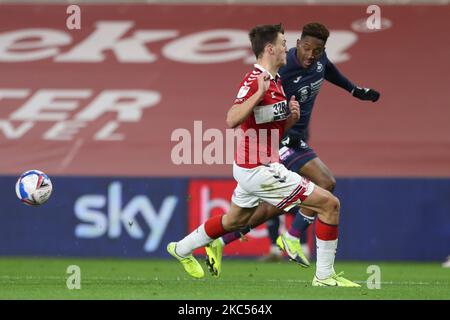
<point x="271" y="183"/>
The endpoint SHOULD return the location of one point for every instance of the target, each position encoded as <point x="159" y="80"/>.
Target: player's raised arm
<point x="240" y="111"/>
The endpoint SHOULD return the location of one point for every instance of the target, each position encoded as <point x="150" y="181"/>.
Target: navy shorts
<point x="295" y="157"/>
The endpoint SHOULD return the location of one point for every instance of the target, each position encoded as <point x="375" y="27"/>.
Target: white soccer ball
<point x="34" y="187"/>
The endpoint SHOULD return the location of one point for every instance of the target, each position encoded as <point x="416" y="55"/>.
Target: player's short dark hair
<point x="262" y="35"/>
<point x="316" y="30"/>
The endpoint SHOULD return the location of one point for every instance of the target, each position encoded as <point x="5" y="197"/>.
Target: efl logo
<point x="209" y="198"/>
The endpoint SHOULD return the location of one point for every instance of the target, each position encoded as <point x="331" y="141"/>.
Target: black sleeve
<point x="333" y="75"/>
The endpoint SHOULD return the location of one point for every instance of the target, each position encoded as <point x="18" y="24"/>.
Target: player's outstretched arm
<point x="333" y="75"/>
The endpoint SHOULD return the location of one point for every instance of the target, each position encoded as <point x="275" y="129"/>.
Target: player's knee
<point x="332" y="206"/>
<point x="331" y="184"/>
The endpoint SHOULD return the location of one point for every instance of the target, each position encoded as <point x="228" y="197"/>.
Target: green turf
<point x="249" y="279"/>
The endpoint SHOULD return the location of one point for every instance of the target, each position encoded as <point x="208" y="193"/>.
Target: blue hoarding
<point x="394" y="219"/>
<point x="381" y="219"/>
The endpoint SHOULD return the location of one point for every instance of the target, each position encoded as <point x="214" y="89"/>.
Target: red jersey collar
<point x="259" y="67"/>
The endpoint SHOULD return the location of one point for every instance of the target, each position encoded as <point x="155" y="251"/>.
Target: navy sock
<point x="273" y="225"/>
<point x="300" y="224"/>
<point x="232" y="236"/>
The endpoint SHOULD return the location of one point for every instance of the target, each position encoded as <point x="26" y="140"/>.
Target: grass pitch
<point x="33" y="278"/>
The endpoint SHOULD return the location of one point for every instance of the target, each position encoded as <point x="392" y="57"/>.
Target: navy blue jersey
<point x="305" y="85"/>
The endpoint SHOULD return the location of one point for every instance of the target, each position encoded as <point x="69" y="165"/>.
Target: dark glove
<point x="366" y="94"/>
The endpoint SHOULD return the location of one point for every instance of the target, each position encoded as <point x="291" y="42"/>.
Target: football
<point x="34" y="187"/>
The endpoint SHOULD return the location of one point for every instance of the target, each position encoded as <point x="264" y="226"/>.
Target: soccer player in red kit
<point x="263" y="113"/>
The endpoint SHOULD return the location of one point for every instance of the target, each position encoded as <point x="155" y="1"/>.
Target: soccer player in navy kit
<point x="306" y="69"/>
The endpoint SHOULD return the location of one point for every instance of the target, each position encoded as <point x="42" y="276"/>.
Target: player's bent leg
<point x="302" y="220"/>
<point x="327" y="206"/>
<point x="234" y="220"/>
<point x="324" y="204"/>
<point x="316" y="171"/>
<point x="290" y="241"/>
<point x="263" y="213"/>
<point x="243" y="205"/>
<point x="214" y="250"/>
<point x="237" y="217"/>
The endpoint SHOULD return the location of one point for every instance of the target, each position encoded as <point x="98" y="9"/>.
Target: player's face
<point x="279" y="50"/>
<point x="309" y="50"/>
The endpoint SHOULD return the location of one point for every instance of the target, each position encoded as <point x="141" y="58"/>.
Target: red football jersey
<point x="261" y="132"/>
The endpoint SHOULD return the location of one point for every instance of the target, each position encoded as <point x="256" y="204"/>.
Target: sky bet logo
<point x="108" y="215"/>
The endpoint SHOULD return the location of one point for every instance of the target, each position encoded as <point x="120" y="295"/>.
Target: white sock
<point x="326" y="252"/>
<point x="196" y="239"/>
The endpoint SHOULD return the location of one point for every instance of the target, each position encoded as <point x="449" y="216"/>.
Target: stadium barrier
<point x="381" y="219"/>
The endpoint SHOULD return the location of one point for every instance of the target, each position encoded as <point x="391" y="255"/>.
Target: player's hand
<point x="263" y="83"/>
<point x="294" y="107"/>
<point x="366" y="94"/>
